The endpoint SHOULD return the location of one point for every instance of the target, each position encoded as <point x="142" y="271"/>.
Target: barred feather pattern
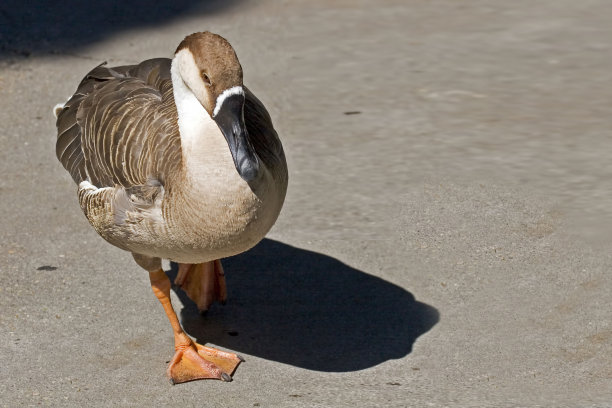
<point x="119" y="128"/>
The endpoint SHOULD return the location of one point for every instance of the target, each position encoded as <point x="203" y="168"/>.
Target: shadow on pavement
<point x="308" y="310"/>
<point x="41" y="26"/>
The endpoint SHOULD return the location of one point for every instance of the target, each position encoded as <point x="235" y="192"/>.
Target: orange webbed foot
<point x="191" y="361"/>
<point x="204" y="283"/>
<point x="197" y="362"/>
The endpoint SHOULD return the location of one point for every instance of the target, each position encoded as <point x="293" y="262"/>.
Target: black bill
<point x="230" y="119"/>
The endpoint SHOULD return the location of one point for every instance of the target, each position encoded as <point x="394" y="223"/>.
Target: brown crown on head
<point x="216" y="59"/>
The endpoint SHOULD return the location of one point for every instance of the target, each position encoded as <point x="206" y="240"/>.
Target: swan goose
<point x="176" y="159"/>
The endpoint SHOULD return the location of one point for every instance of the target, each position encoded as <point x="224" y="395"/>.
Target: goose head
<point x="210" y="70"/>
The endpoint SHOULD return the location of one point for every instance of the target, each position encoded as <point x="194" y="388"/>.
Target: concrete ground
<point x="446" y="236"/>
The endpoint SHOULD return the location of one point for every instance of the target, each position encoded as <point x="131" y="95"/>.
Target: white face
<point x="190" y="73"/>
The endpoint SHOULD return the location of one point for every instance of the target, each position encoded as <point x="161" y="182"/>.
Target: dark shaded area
<point x="46" y="268"/>
<point x="309" y="310"/>
<point x="39" y="26"/>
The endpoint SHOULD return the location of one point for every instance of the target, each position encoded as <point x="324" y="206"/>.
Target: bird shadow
<point x="308" y="310"/>
<point x="41" y="26"/>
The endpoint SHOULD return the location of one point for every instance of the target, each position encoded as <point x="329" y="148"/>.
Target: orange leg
<point x="204" y="283"/>
<point x="191" y="361"/>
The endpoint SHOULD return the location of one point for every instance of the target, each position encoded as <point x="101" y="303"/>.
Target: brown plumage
<point x="101" y="131"/>
<point x="192" y="179"/>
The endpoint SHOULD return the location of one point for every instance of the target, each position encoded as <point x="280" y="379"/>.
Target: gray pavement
<point x="445" y="240"/>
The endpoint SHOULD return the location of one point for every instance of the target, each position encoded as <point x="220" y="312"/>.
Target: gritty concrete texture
<point x="446" y="236"/>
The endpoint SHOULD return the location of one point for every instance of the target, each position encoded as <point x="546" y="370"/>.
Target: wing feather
<point x="118" y="126"/>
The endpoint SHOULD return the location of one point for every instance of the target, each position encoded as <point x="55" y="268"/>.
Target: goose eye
<point x="205" y="78"/>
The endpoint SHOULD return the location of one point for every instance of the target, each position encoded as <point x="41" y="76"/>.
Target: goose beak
<point x="229" y="116"/>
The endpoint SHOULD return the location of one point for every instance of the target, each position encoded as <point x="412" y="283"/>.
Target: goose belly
<point x="201" y="229"/>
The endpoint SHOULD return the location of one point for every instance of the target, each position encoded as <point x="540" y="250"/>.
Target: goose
<point x="176" y="159"/>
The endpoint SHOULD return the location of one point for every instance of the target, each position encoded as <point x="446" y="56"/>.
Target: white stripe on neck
<point x="235" y="90"/>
